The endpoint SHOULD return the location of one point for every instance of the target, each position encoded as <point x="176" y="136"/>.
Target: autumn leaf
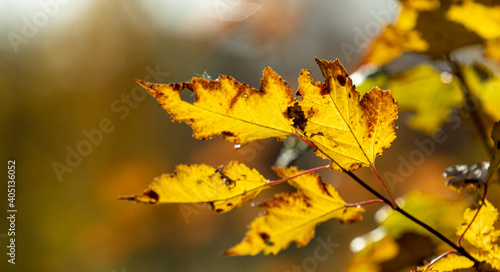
<point x="224" y="188"/>
<point x="436" y="28"/>
<point x="349" y="130"/>
<point x="229" y="108"/>
<point x="482" y="233"/>
<point x="293" y="217"/>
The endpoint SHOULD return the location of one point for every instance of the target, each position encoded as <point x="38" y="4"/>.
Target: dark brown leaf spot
<point x="229" y="183"/>
<point x="227" y="134"/>
<point x="265" y="237"/>
<point x="152" y="194"/>
<point x="324" y="90"/>
<point x="341" y="79"/>
<point x="219" y="210"/>
<point x="297" y="115"/>
<point x="498" y="145"/>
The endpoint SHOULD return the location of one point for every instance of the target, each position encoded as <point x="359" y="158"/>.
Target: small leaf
<point x="349" y="130"/>
<point x="465" y="177"/>
<point x="293" y="217"/>
<point x="229" y="108"/>
<point x="224" y="188"/>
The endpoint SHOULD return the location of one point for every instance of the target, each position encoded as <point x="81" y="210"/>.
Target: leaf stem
<point x="367" y="187"/>
<point x="299" y="137"/>
<point x="375" y="172"/>
<point x="459" y="241"/>
<point x="364" y="202"/>
<point x="278" y="181"/>
<point x="439" y="258"/>
<point x="471" y="106"/>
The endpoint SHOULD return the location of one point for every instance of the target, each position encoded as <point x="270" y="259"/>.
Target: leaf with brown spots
<point x="229" y="108"/>
<point x="349" y="130"/>
<point x="294" y="217"/>
<point x="224" y="188"/>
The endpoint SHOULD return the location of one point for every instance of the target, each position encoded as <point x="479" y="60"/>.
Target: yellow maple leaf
<point x="224" y="188"/>
<point x="482" y="233"/>
<point x="350" y="131"/>
<point x="229" y="108"/>
<point x="436" y="28"/>
<point x="293" y="217"/>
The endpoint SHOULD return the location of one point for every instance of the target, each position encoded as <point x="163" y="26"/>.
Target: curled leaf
<point x="464" y="176"/>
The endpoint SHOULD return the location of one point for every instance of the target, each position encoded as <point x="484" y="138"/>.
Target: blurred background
<point x="68" y="70"/>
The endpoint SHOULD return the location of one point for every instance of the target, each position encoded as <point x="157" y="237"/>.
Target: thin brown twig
<point x="278" y="181"/>
<point x="375" y="172"/>
<point x="364" y="202"/>
<point x="435" y="260"/>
